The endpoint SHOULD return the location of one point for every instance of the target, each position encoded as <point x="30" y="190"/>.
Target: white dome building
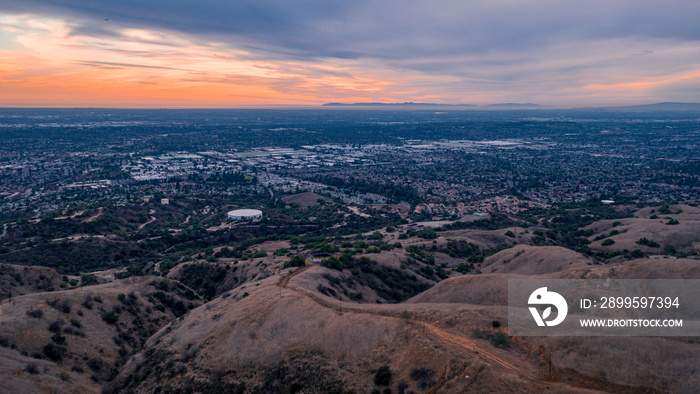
<point x="244" y="214"/>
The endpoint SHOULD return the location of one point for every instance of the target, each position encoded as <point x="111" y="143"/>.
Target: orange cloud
<point x="136" y="68"/>
<point x="643" y="85"/>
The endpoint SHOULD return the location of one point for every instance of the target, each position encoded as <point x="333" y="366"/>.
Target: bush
<point x="55" y="326"/>
<point x="463" y="268"/>
<point x="332" y="263"/>
<point x="295" y="261"/>
<point x="54" y="352"/>
<point x="60" y="305"/>
<point x="383" y="376"/>
<point x="608" y="242"/>
<point x="110" y="317"/>
<point x="95" y="364"/>
<point x="87" y="303"/>
<point x="510" y="234"/>
<point x="424" y="377"/>
<point x="649" y="243"/>
<point x="427" y="234"/>
<point x="32" y="369"/>
<point x="500" y="339"/>
<point x="35" y="313"/>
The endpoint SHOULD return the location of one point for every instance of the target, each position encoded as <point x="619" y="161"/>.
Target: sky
<point x="230" y="53"/>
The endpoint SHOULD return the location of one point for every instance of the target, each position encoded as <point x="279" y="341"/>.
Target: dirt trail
<point x="285" y="281"/>
<point x="97" y="215"/>
<point x="73" y="216"/>
<point x="447" y="338"/>
<point x="151" y="220"/>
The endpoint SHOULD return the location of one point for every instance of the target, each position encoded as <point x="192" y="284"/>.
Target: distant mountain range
<point x="665" y="106"/>
<point x="519" y="105"/>
<point x="412" y="104"/>
<point x="407" y="104"/>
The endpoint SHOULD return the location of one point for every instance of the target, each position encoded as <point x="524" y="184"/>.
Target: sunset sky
<point x="228" y="53"/>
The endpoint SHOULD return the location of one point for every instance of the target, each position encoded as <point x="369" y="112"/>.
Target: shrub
<point x="427" y="234"/>
<point x="32" y="369"/>
<point x="121" y="297"/>
<point x="54" y="352"/>
<point x="295" y="261"/>
<point x="58" y="339"/>
<point x="333" y="263"/>
<point x="110" y="317"/>
<point x="510" y="234"/>
<point x="424" y="376"/>
<point x="608" y="242"/>
<point x="500" y="339"/>
<point x="60" y="305"/>
<point x="55" y="326"/>
<point x="35" y="313"/>
<point x="383" y="376"/>
<point x="649" y="243"/>
<point x="95" y="364"/>
<point x="87" y="303"/>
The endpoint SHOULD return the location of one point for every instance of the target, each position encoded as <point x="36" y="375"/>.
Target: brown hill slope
<point x="653" y="225"/>
<point x="16" y="280"/>
<point x="492" y="289"/>
<point x="532" y="260"/>
<point x="91" y="331"/>
<point x="269" y="337"/>
<point x="277" y="336"/>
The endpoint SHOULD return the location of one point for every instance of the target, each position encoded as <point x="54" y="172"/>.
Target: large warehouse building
<point x="245" y="214"/>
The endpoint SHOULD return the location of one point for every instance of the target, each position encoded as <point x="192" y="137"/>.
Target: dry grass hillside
<point x="431" y="310"/>
<point x="16" y="280"/>
<point x="531" y="260"/>
<point x="275" y="336"/>
<point x="283" y="333"/>
<point x="652" y="224"/>
<point x="92" y="331"/>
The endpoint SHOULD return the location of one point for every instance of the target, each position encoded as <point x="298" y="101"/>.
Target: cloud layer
<point x="308" y="51"/>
